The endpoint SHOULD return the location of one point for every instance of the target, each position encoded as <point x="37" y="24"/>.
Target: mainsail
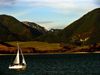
<point x="17" y="59"/>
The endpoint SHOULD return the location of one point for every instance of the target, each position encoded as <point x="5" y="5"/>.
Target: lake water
<point x="55" y="64"/>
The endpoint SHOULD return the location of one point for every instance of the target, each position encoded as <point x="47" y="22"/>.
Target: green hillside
<point x="87" y="27"/>
<point x="11" y="29"/>
<point x="85" y="30"/>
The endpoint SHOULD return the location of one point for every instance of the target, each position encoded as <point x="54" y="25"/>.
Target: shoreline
<point x="54" y="53"/>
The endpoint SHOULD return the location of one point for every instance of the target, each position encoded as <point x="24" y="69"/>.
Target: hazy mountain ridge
<point x="36" y="26"/>
<point x="54" y="30"/>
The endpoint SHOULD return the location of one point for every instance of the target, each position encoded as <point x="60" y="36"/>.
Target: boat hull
<point x="17" y="67"/>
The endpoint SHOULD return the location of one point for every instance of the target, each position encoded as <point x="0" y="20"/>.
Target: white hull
<point x="17" y="67"/>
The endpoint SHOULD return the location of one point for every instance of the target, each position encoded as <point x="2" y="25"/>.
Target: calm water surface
<point x="55" y="64"/>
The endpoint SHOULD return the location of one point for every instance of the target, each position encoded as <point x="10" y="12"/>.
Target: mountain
<point x="11" y="30"/>
<point x="54" y="30"/>
<point x="40" y="28"/>
<point x="36" y="26"/>
<point x="85" y="30"/>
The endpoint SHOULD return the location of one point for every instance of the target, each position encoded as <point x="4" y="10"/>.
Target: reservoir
<point x="55" y="64"/>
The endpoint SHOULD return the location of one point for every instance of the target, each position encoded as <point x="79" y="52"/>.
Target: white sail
<point x="23" y="59"/>
<point x="17" y="60"/>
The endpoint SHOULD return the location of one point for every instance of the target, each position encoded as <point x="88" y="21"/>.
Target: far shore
<point x="54" y="53"/>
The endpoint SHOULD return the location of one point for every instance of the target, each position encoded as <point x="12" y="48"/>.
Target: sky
<point x="56" y="14"/>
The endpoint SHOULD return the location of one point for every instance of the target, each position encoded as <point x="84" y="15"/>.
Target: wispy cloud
<point x="22" y="12"/>
<point x="55" y="27"/>
<point x="59" y="4"/>
<point x="45" y="22"/>
<point x="97" y="2"/>
<point x="48" y="3"/>
<point x="53" y="0"/>
<point x="7" y="3"/>
<point x="59" y="26"/>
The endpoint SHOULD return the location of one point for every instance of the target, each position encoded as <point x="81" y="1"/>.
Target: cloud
<point x="55" y="27"/>
<point x="59" y="27"/>
<point x="6" y="3"/>
<point x="97" y="2"/>
<point x="54" y="0"/>
<point x="8" y="0"/>
<point x="61" y="5"/>
<point x="45" y="22"/>
<point x="23" y="12"/>
<point x="76" y="10"/>
<point x="47" y="3"/>
<point x="56" y="3"/>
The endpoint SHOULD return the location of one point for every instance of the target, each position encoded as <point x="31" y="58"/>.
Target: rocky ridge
<point x="36" y="26"/>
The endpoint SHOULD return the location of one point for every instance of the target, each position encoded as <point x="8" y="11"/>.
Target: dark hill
<point x="85" y="30"/>
<point x="11" y="29"/>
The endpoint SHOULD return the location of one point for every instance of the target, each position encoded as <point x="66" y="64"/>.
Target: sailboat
<point x="16" y="62"/>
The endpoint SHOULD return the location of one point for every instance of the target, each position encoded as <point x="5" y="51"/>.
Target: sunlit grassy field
<point x="37" y="45"/>
<point x="80" y="48"/>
